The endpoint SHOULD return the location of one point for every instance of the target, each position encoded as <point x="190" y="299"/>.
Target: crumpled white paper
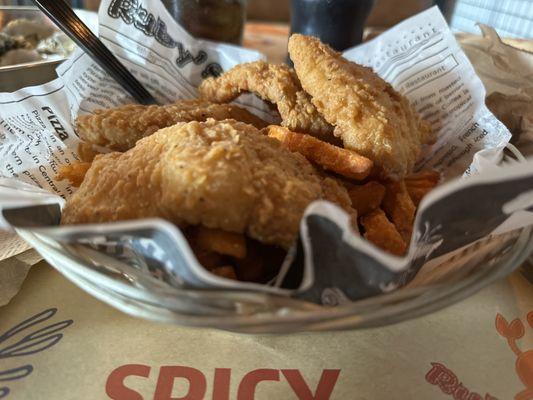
<point x="507" y="74"/>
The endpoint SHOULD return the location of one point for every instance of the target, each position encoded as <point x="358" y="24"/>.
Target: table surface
<point x="90" y="345"/>
<point x="271" y="39"/>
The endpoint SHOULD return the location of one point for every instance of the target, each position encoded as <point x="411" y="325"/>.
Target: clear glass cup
<point x="138" y="293"/>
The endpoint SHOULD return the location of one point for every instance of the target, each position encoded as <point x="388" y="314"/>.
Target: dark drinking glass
<point x="339" y="23"/>
<point x="218" y="20"/>
<point x="446" y="8"/>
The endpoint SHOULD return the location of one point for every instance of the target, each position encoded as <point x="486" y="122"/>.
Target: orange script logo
<point x="524" y="359"/>
<point x="450" y="384"/>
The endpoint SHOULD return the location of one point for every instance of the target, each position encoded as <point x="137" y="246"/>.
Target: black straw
<point x="65" y="18"/>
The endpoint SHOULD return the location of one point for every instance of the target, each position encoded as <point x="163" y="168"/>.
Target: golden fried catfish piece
<point x="368" y="114"/>
<point x="120" y="128"/>
<point x="219" y="174"/>
<point x="277" y="84"/>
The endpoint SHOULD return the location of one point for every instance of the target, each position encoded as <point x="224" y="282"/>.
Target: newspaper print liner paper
<point x="419" y="56"/>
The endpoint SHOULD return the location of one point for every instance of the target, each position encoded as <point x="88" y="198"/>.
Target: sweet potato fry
<point x="221" y="242"/>
<point x="417" y="193"/>
<point x="262" y="262"/>
<point x="74" y="173"/>
<point x="86" y="152"/>
<point x="420" y="184"/>
<point x="252" y="268"/>
<point x="399" y="207"/>
<point x="225" y="271"/>
<point x="342" y="161"/>
<point x="367" y="197"/>
<point x="380" y="231"/>
<point x="208" y="259"/>
<point x="424" y="176"/>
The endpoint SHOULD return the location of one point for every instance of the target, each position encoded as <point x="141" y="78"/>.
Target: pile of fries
<point x="385" y="208"/>
<point x="234" y="256"/>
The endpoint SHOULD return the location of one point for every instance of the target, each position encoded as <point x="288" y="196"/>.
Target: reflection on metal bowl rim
<point x="16" y="77"/>
<point x="51" y="61"/>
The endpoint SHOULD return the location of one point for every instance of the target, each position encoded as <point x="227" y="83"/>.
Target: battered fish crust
<point x="368" y="114"/>
<point x="277" y="84"/>
<point x="220" y="174"/>
<point x="120" y="128"/>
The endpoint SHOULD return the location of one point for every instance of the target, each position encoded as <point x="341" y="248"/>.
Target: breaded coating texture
<point x="220" y="174"/>
<point x="368" y="114"/>
<point x="277" y="84"/>
<point x="120" y="128"/>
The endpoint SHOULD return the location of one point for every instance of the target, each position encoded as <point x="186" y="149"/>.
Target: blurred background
<point x="385" y="12"/>
<point x="512" y="18"/>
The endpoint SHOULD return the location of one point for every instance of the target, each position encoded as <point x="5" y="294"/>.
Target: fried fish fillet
<point x="368" y="114"/>
<point x="219" y="174"/>
<point x="277" y="84"/>
<point x="120" y="128"/>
